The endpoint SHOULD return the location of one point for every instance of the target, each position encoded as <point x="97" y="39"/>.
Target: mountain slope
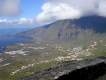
<point x="68" y="30"/>
<point x="81" y="70"/>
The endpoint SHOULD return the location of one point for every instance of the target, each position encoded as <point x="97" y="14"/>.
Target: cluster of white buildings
<point x="22" y="68"/>
<point x="36" y="48"/>
<point x="1" y="60"/>
<point x="21" y="52"/>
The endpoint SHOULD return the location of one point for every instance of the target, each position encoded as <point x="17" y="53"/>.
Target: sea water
<point x="11" y="41"/>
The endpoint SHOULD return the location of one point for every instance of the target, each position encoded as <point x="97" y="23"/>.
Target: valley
<point x="44" y="48"/>
<point x="23" y="60"/>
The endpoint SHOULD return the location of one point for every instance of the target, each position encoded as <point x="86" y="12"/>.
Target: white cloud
<point x="9" y="7"/>
<point x="3" y="20"/>
<point x="25" y="21"/>
<point x="102" y="8"/>
<point x="60" y="11"/>
<point x="70" y="9"/>
<point x="21" y="21"/>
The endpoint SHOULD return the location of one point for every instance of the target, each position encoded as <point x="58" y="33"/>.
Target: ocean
<point x="11" y="41"/>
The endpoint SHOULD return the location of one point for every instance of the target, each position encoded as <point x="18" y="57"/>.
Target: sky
<point x="26" y="8"/>
<point x="30" y="8"/>
<point x="40" y="12"/>
<point x="19" y="12"/>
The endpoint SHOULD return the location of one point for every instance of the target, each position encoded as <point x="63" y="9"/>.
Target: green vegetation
<point x="40" y="56"/>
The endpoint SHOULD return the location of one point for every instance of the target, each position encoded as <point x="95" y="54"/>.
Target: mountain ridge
<point x="66" y="30"/>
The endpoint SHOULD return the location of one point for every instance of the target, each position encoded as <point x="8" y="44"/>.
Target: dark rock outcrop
<point x="87" y="73"/>
<point x="74" y="70"/>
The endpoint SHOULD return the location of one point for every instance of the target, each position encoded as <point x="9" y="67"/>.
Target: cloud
<point x="21" y="21"/>
<point x="3" y="20"/>
<point x="70" y="9"/>
<point x="26" y="21"/>
<point x="52" y="11"/>
<point x="102" y="8"/>
<point x="9" y="7"/>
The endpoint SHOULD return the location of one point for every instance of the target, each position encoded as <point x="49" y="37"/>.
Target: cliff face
<point x="81" y="70"/>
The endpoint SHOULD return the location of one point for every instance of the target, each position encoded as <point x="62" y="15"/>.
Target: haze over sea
<point x="7" y="38"/>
